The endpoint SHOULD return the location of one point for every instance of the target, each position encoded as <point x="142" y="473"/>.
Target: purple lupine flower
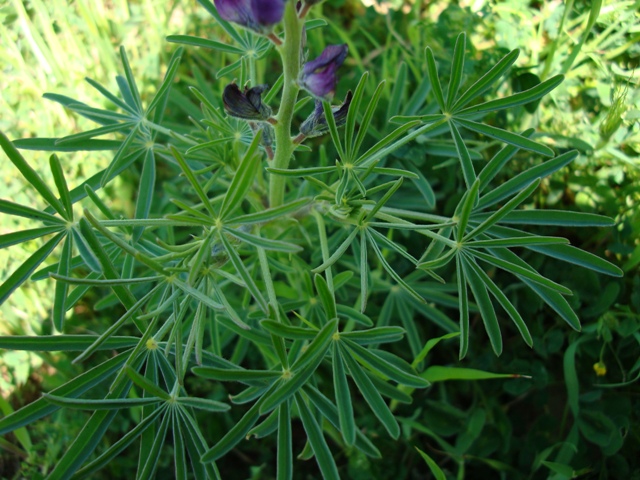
<point x="256" y="15"/>
<point x="318" y="77"/>
<point x="316" y="124"/>
<point x="248" y="104"/>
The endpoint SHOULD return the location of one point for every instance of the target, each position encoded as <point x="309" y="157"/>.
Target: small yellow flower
<point x="600" y="368"/>
<point x="152" y="344"/>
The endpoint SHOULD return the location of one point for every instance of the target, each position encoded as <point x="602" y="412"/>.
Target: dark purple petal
<point x="267" y="12"/>
<point x="246" y="105"/>
<point x="316" y="123"/>
<point x="236" y="11"/>
<point x="319" y="77"/>
<point x="331" y="55"/>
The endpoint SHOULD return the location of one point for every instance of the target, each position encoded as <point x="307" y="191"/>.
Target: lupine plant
<point x="284" y="272"/>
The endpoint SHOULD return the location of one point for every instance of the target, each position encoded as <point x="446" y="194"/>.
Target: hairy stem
<point x="290" y="54"/>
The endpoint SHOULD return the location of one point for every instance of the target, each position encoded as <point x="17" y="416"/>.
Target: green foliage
<point x="308" y="305"/>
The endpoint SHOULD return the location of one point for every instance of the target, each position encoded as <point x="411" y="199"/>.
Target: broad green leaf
<point x="285" y="453"/>
<point x="499" y="295"/>
<point x="352" y="113"/>
<point x="203" y="404"/>
<point x="521" y="272"/>
<point x="323" y="455"/>
<point x="437" y="473"/>
<point x="429" y="346"/>
<point x="333" y="129"/>
<point x="302" y="369"/>
<point x="498" y="161"/>
<point x="61" y="185"/>
<point x="238" y="432"/>
<point x="505" y="136"/>
<point x="262" y="242"/>
<point x="243" y="272"/>
<point x="469" y="200"/>
<point x="468" y="171"/>
<point x="25" y="235"/>
<point x="194" y="182"/>
<point x="559" y="218"/>
<point x="62" y="343"/>
<point x="457" y="69"/>
<point x="31" y="176"/>
<point x="432" y="72"/>
<point x="99" y="404"/>
<point x="574" y="255"/>
<point x="380" y="365"/>
<point x="343" y="399"/>
<point x="145" y="191"/>
<point x="518" y="182"/>
<point x="326" y="296"/>
<point x="503" y="211"/>
<point x="271" y="213"/>
<point x="62" y="289"/>
<point x="521" y="98"/>
<point x="243" y="178"/>
<point x="366" y="118"/>
<point x="77" y="386"/>
<point x="11" y="208"/>
<point x="119" y="446"/>
<point x="235" y="375"/>
<point x="372" y="396"/>
<point x="24" y="271"/>
<point x="483" y="83"/>
<point x="159" y="99"/>
<point x="330" y="412"/>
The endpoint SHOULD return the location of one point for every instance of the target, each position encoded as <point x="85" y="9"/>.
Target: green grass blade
<point x="366" y="118"/>
<point x="498" y="161"/>
<point x="327" y="298"/>
<point x="285" y="331"/>
<point x="559" y="218"/>
<point x="25" y="235"/>
<point x="398" y="91"/>
<point x="163" y="91"/>
<point x="385" y="145"/>
<point x="123" y="151"/>
<point x="203" y="404"/>
<point x="385" y="198"/>
<point x="193" y="181"/>
<point x="62" y="343"/>
<point x="338" y="253"/>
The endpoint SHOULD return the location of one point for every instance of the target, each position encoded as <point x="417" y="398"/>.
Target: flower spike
<point x="257" y="15"/>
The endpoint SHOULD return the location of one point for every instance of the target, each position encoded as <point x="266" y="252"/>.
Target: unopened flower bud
<point x="316" y="124"/>
<point x="248" y="104"/>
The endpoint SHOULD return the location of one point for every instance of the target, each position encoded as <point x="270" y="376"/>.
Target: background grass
<point x="52" y="46"/>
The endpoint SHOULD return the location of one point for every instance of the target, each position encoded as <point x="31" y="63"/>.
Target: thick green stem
<point x="290" y="54"/>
